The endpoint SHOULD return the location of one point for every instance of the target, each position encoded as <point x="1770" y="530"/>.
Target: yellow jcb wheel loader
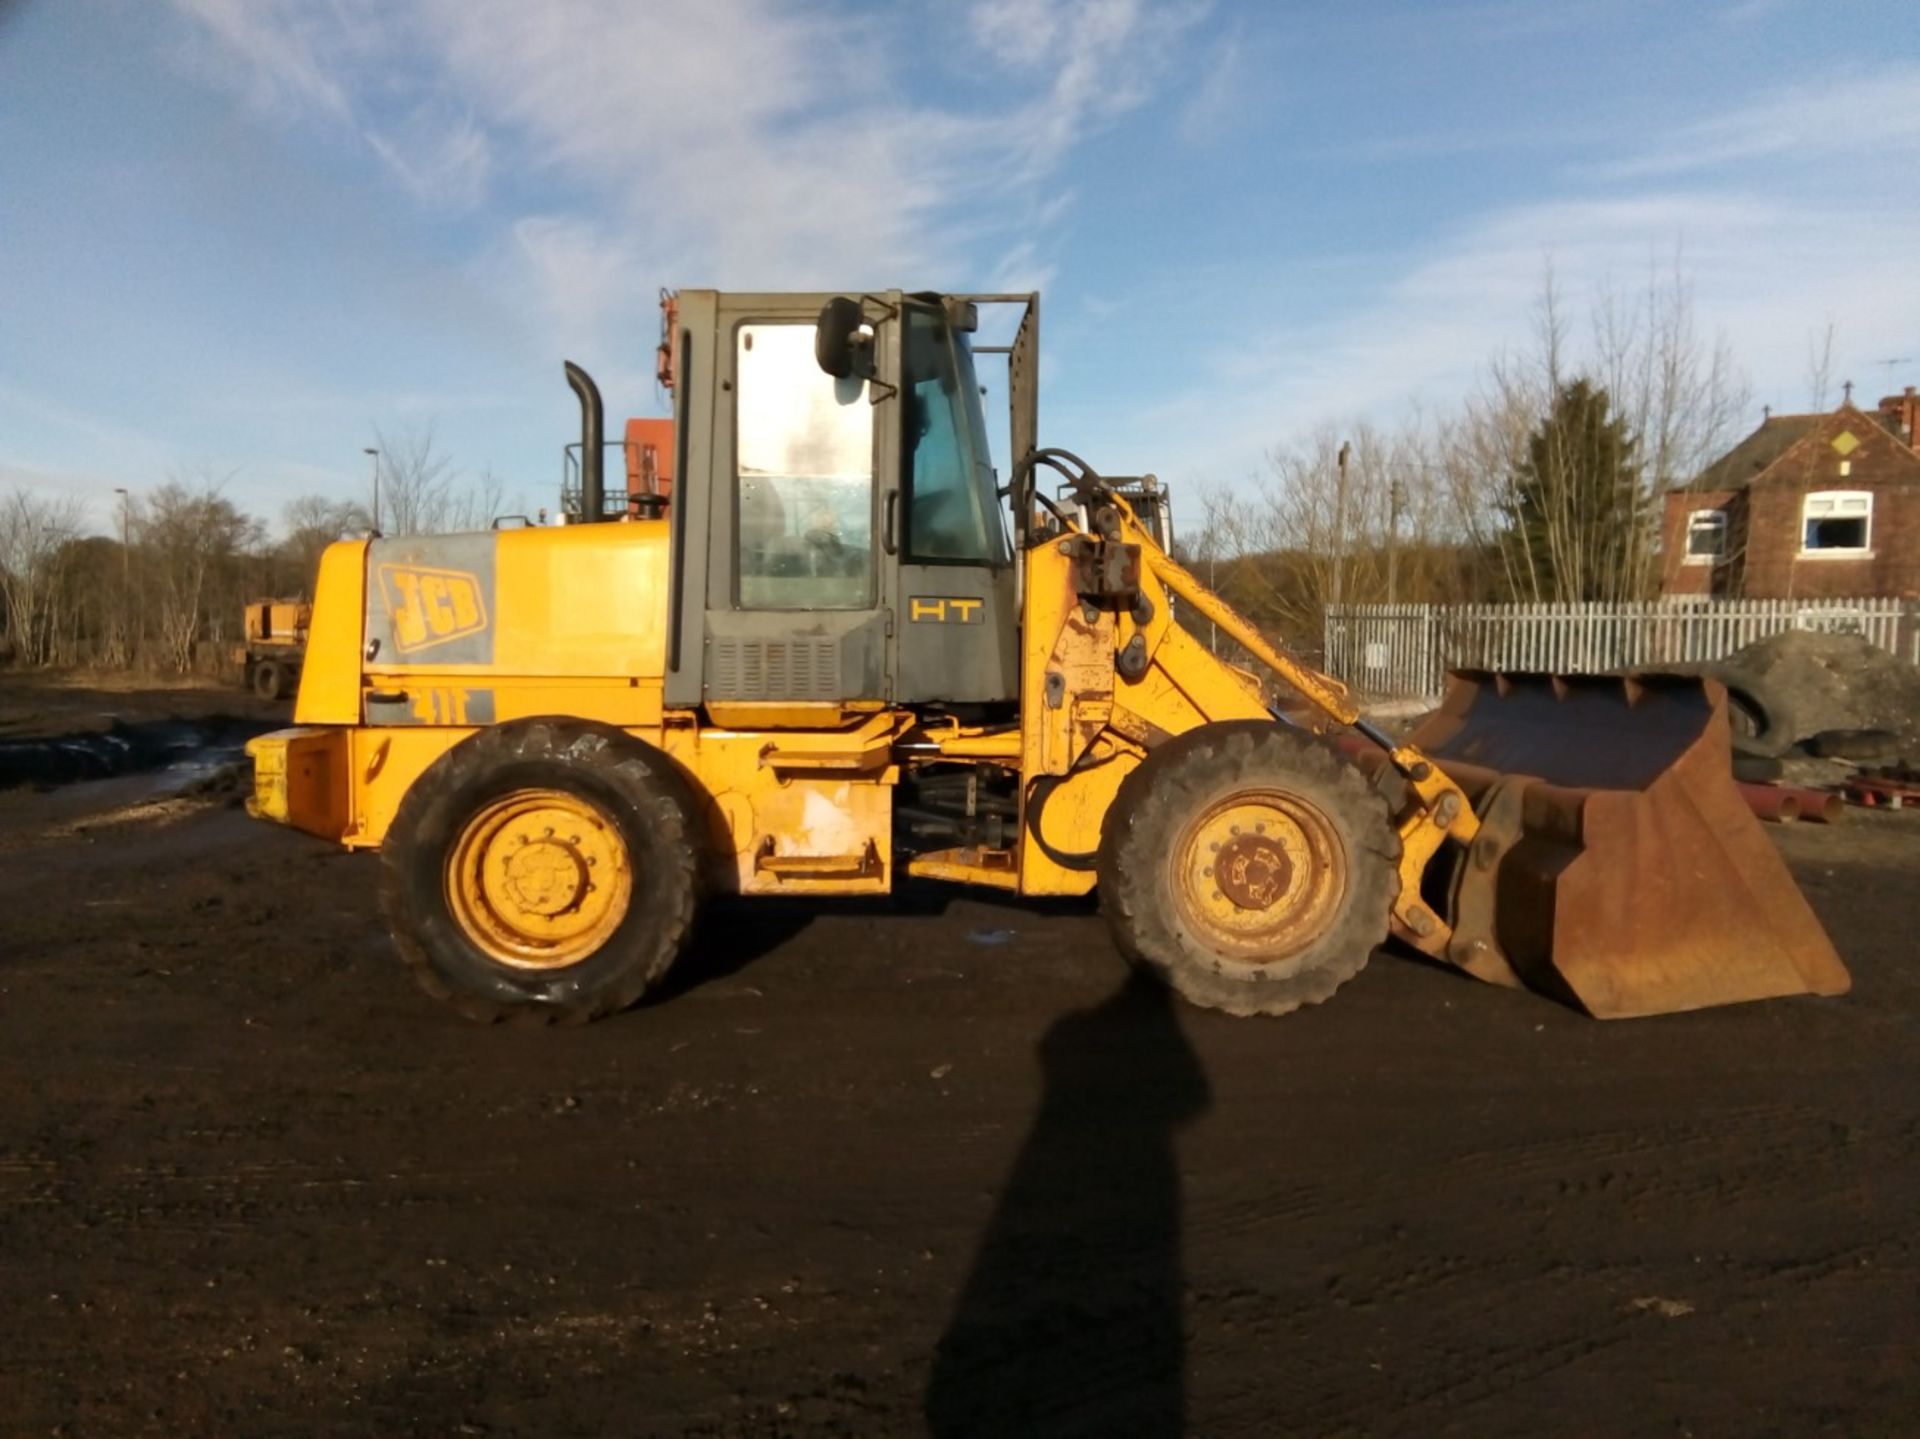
<point x="845" y="651"/>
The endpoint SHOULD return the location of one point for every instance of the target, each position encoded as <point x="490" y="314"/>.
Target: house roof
<point x="1768" y="445"/>
<point x="1777" y="434"/>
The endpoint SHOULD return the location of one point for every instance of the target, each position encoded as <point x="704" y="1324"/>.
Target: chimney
<point x="1903" y="413"/>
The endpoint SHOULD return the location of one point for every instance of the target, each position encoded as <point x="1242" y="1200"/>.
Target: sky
<point x="238" y="238"/>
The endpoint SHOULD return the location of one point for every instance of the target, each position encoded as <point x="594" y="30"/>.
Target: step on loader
<point x="846" y="653"/>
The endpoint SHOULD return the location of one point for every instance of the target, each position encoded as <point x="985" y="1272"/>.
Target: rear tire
<point x="1757" y="769"/>
<point x="1761" y="718"/>
<point x="1249" y="867"/>
<point x="1862" y="746"/>
<point x="269" y="679"/>
<point x="544" y="869"/>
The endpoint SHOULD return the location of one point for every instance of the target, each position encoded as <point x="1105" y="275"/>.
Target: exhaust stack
<point x="592" y="422"/>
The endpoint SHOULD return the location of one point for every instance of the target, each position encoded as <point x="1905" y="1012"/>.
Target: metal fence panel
<point x="1406" y="650"/>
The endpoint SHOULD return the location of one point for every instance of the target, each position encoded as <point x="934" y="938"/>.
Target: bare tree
<point x="176" y="576"/>
<point x="416" y="481"/>
<point x="1680" y="398"/>
<point x="421" y="491"/>
<point x="475" y="504"/>
<point x="312" y="522"/>
<point x="34" y="532"/>
<point x="1313" y="531"/>
<point x="1496" y="499"/>
<point x="1681" y="394"/>
<point x="194" y="545"/>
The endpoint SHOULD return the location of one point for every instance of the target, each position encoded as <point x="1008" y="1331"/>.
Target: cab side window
<point x="948" y="518"/>
<point x="804" y="477"/>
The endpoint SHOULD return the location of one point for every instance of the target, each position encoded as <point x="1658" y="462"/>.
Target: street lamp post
<point x="1340" y="522"/>
<point x="126" y="572"/>
<point x="1396" y="497"/>
<point x="375" y="455"/>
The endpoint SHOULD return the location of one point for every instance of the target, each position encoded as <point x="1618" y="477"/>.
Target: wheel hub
<point x="544" y="877"/>
<point x="539" y="879"/>
<point x="1253" y="871"/>
<point x="1258" y="874"/>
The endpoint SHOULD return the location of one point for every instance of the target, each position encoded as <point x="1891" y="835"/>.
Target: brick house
<point x="1807" y="506"/>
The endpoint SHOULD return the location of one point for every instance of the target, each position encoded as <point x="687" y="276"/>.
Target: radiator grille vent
<point x="774" y="669"/>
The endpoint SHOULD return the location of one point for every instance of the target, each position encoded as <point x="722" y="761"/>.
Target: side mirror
<point x="838" y="344"/>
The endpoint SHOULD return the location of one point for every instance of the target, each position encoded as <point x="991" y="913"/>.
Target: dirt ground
<point x="69" y="702"/>
<point x="927" y="1165"/>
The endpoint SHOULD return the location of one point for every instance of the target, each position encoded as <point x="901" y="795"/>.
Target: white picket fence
<point x="1406" y="650"/>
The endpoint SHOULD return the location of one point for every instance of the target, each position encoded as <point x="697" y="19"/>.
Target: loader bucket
<point x="1617" y="865"/>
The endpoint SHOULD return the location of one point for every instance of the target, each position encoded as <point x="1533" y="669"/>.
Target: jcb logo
<point x="929" y="610"/>
<point x="430" y="607"/>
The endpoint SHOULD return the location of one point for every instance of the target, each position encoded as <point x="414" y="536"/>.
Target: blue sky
<point x="238" y="235"/>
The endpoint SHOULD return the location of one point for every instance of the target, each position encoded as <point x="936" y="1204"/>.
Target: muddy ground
<point x="929" y="1164"/>
<point x="79" y="702"/>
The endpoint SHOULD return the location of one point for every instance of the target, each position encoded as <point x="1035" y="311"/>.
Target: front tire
<point x="1249" y="867"/>
<point x="544" y="869"/>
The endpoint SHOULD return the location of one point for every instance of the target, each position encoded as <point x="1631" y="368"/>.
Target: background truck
<point x="273" y="646"/>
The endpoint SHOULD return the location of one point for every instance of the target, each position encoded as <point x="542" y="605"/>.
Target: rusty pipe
<point x="1772" y="802"/>
<point x="1818" y="806"/>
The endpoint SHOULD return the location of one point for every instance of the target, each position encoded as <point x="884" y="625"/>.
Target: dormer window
<point x="1706" y="537"/>
<point x="1836" y="524"/>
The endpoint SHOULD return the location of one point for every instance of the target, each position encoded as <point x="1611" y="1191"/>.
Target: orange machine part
<point x="650" y="457"/>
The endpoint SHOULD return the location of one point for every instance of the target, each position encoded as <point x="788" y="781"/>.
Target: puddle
<point x="210" y="773"/>
<point x="191" y="769"/>
<point x="169" y="755"/>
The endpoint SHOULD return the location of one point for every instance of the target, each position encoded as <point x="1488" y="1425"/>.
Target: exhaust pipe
<point x="592" y="451"/>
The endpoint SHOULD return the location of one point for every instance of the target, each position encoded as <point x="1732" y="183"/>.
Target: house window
<point x="1837" y="523"/>
<point x="1706" y="536"/>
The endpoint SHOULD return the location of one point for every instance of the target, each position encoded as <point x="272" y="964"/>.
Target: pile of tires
<point x="1782" y="712"/>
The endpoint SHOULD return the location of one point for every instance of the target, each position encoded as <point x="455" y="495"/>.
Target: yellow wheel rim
<point x="1259" y="875"/>
<point x="539" y="879"/>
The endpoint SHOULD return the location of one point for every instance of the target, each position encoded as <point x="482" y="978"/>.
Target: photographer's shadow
<point x="1071" y="1320"/>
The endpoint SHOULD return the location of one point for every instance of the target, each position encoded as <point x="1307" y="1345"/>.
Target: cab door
<point x="956" y="637"/>
<point x="796" y="603"/>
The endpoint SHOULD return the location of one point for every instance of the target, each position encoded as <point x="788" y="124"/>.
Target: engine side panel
<point x="574" y="601"/>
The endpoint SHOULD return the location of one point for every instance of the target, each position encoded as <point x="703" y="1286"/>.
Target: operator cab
<point x="840" y="536"/>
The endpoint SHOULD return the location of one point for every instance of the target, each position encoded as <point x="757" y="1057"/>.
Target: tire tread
<point x="1168" y="787"/>
<point x="645" y="777"/>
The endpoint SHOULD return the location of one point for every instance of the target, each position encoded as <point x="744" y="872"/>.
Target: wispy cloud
<point x="1843" y="111"/>
<point x="96" y="492"/>
<point x="85" y="426"/>
<point x="1499" y="21"/>
<point x="752" y="143"/>
<point x="1457" y="144"/>
<point x="1218" y="95"/>
<point x="1746" y="12"/>
<point x="1104" y="57"/>
<point x="280" y="53"/>
<point x="444" y="160"/>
